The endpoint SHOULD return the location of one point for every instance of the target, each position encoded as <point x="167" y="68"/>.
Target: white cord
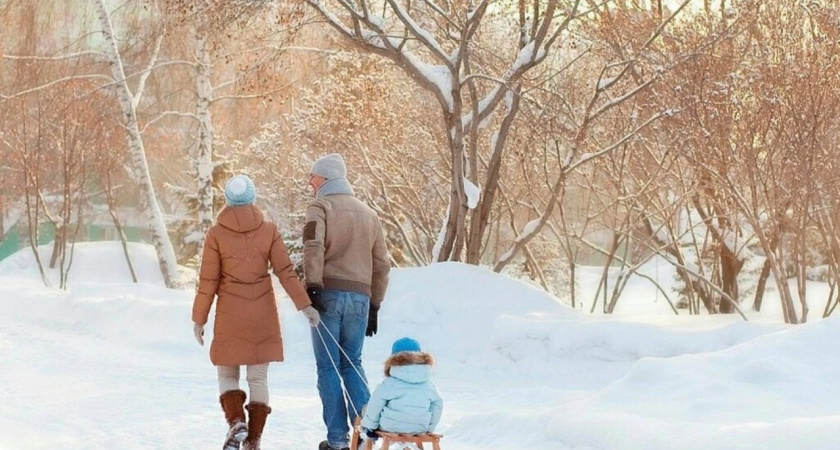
<point x="335" y="366"/>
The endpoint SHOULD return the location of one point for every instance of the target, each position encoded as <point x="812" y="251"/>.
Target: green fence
<point x="14" y="241"/>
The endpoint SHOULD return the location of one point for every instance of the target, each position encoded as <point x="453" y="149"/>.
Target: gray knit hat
<point x="330" y="167"/>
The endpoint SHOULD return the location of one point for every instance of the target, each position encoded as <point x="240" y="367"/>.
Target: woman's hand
<point x="198" y="330"/>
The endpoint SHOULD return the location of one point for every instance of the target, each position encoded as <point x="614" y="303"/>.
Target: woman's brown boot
<point x="257" y="414"/>
<point x="232" y="402"/>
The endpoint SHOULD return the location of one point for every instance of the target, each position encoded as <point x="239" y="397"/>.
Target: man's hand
<point x="373" y="321"/>
<point x="314" y="293"/>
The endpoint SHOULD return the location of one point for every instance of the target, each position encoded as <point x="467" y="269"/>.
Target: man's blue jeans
<point x="346" y="320"/>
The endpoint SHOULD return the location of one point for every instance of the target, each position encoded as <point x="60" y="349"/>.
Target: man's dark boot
<point x="326" y="446"/>
<point x="232" y="404"/>
<point x="257" y="414"/>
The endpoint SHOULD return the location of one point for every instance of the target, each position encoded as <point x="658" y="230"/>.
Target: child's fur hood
<point x="407" y="359"/>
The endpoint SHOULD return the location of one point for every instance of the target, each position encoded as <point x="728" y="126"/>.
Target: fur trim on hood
<point x="407" y="359"/>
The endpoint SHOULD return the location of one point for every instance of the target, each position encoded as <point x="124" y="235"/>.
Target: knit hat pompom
<point x="405" y="344"/>
<point x="330" y="167"/>
<point x="239" y="191"/>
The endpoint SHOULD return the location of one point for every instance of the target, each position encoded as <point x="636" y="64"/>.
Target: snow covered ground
<point x="109" y="364"/>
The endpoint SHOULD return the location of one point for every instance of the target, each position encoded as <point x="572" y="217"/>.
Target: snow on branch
<point x="436" y="78"/>
<point x="167" y="114"/>
<point x="332" y="20"/>
<point x="528" y="231"/>
<point x="525" y="60"/>
<point x="96" y="54"/>
<point x="250" y="96"/>
<point x="589" y="156"/>
<point x="424" y="36"/>
<point x="141" y="84"/>
<point x="617" y="101"/>
<point x="147" y="69"/>
<point x="93" y="76"/>
<point x="441" y="12"/>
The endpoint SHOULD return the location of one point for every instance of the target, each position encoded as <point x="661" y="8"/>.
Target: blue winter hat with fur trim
<point x="240" y="191"/>
<point x="405" y="344"/>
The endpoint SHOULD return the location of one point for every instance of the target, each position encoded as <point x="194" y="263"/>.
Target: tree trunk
<point x="730" y="267"/>
<point x="148" y="199"/>
<point x="481" y="213"/>
<point x="572" y="266"/>
<point x="765" y="273"/>
<point x="455" y="221"/>
<point x="762" y="285"/>
<point x="203" y="160"/>
<point x="801" y="269"/>
<point x="112" y="210"/>
<point x="32" y="216"/>
<point x="604" y="282"/>
<point x="784" y="288"/>
<point x="58" y="244"/>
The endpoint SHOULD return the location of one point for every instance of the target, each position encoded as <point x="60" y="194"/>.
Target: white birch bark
<point x="148" y="200"/>
<point x="203" y="159"/>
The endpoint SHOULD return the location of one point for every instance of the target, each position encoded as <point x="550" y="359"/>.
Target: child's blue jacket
<point x="406" y="401"/>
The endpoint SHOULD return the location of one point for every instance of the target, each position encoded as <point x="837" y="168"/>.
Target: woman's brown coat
<point x="234" y="266"/>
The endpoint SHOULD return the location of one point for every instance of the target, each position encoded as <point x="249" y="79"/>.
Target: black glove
<point x="314" y="293"/>
<point x="373" y="321"/>
<point x="371" y="434"/>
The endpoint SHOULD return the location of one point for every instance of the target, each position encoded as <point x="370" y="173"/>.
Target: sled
<point x="389" y="439"/>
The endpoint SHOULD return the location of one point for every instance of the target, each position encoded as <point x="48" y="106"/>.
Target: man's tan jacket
<point x="344" y="248"/>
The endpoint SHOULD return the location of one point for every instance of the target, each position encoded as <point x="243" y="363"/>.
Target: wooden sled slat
<point x="389" y="438"/>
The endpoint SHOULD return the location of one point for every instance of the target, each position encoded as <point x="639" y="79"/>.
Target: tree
<point x="445" y="62"/>
<point x="209" y="28"/>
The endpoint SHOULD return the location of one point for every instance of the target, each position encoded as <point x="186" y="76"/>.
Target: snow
<point x="525" y="56"/>
<point x="530" y="228"/>
<point x="604" y="83"/>
<point x="93" y="262"/>
<point x="437" y="75"/>
<point x="111" y="364"/>
<point x="376" y="21"/>
<point x="13" y="215"/>
<point x="527" y="231"/>
<point x="416" y="29"/>
<point x="441" y="236"/>
<point x="473" y="193"/>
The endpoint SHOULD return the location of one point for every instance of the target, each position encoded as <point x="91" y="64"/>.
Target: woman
<point x="234" y="266"/>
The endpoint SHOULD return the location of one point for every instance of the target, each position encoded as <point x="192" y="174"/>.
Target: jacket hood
<point x="241" y="219"/>
<point x="411" y="367"/>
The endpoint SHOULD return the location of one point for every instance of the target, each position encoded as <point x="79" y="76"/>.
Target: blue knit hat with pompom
<point x="405" y="344"/>
<point x="240" y="191"/>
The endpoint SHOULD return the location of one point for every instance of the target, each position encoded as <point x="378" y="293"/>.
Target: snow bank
<point x="101" y="303"/>
<point x="775" y="391"/>
<point x="451" y="308"/>
<point x="102" y="262"/>
<point x="523" y="339"/>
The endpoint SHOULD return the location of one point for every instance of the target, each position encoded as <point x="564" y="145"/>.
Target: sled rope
<point x="335" y="366"/>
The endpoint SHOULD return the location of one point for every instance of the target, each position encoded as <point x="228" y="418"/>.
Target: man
<point x="345" y="266"/>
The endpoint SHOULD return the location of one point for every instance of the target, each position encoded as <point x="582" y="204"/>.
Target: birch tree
<point x="258" y="45"/>
<point x="128" y="102"/>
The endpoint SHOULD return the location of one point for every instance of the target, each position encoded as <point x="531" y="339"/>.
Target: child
<point x="406" y="401"/>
